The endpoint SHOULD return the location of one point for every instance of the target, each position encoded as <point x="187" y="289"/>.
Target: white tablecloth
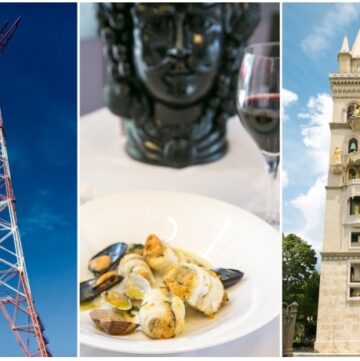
<point x="238" y="178"/>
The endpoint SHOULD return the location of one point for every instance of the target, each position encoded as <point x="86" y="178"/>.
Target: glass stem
<point x="272" y="204"/>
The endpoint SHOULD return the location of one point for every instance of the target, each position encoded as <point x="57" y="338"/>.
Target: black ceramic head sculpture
<point x="173" y="75"/>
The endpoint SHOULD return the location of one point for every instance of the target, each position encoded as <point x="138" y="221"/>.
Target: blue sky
<point x="38" y="96"/>
<point x="312" y="37"/>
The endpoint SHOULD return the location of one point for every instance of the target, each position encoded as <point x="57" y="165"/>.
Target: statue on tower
<point x="353" y="116"/>
<point x="336" y="162"/>
<point x="354" y="111"/>
<point x="337" y="156"/>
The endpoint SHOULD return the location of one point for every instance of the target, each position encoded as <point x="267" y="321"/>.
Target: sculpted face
<point x="177" y="49"/>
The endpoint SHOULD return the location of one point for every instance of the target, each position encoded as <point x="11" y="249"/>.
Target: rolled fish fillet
<point x="134" y="263"/>
<point x="162" y="315"/>
<point x="158" y="255"/>
<point x="199" y="287"/>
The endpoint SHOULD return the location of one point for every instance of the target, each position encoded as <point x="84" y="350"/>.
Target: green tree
<point x="301" y="284"/>
<point x="308" y="305"/>
<point x="299" y="261"/>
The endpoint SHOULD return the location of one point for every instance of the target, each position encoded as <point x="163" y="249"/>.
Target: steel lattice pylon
<point x="16" y="303"/>
<point x="6" y="33"/>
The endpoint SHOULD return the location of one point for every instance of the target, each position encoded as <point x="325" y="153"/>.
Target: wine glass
<point x="257" y="103"/>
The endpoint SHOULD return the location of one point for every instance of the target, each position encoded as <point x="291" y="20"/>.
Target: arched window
<point x="353" y="145"/>
<point x="352" y="173"/>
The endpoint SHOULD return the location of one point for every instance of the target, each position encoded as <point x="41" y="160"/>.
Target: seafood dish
<point x="134" y="263"/>
<point x="148" y="288"/>
<point x="200" y="288"/>
<point x="162" y="315"/>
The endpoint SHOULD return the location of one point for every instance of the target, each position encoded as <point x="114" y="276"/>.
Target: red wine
<point x="260" y="116"/>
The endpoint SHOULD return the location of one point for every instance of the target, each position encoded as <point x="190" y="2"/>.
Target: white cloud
<point x="42" y="216"/>
<point x="43" y="219"/>
<point x="316" y="138"/>
<point x="287" y="98"/>
<point x="312" y="207"/>
<point x="338" y="17"/>
<point x="284" y="178"/>
<point x="316" y="134"/>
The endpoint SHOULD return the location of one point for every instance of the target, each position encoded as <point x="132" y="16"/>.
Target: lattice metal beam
<point x="16" y="303"/>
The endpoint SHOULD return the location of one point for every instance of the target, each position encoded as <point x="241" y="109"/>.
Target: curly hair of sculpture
<point x="173" y="71"/>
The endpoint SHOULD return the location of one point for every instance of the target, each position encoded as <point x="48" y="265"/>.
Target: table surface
<point x="238" y="178"/>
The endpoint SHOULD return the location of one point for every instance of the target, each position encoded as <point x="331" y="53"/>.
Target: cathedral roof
<point x="355" y="51"/>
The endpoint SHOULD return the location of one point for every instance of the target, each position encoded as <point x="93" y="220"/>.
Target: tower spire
<point x="344" y="56"/>
<point x="355" y="51"/>
<point x="345" y="45"/>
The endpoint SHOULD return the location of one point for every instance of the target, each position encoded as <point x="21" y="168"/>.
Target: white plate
<point x="225" y="235"/>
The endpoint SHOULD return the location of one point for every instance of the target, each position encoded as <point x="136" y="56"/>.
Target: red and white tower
<point x="16" y="303"/>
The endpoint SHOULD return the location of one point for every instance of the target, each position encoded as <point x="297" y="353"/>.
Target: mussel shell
<point x="115" y="252"/>
<point x="89" y="289"/>
<point x="229" y="276"/>
<point x="87" y="292"/>
<point x="106" y="281"/>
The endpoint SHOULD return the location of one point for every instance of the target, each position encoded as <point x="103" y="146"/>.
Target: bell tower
<point x="338" y="324"/>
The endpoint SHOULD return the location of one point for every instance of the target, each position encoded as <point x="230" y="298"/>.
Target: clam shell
<point x="118" y="327"/>
<point x="118" y="300"/>
<point x="111" y="322"/>
<point x="136" y="286"/>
